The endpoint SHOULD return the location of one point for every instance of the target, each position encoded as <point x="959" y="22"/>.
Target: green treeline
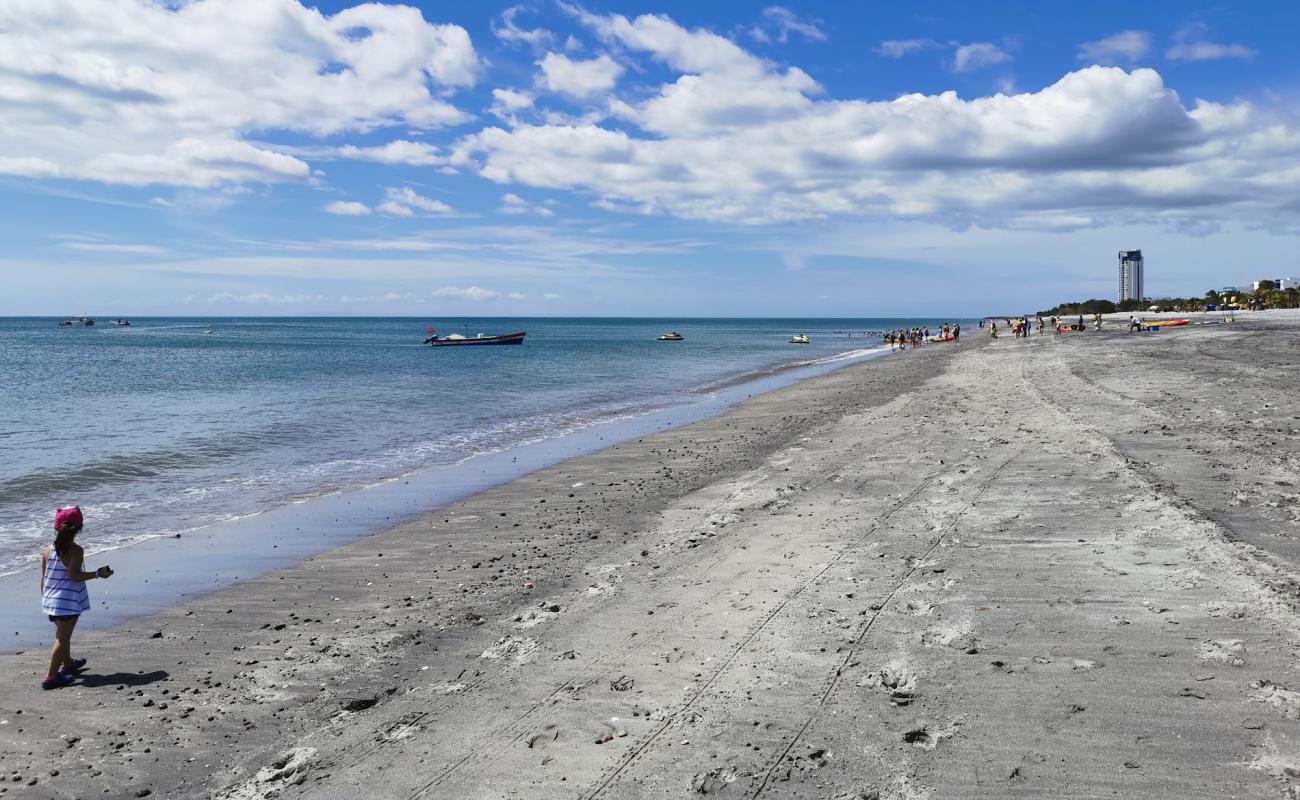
<point x="1266" y="296"/>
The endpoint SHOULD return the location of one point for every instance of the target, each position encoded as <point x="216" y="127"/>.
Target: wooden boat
<point x="456" y="340"/>
<point x="670" y="336"/>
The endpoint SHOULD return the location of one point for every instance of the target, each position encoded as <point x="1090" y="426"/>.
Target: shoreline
<point x="982" y="571"/>
<point x="222" y="555"/>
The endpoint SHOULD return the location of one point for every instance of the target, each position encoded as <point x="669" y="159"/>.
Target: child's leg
<point x="61" y="652"/>
<point x="67" y="644"/>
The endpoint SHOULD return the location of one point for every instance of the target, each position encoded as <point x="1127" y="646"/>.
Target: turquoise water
<point x="161" y="428"/>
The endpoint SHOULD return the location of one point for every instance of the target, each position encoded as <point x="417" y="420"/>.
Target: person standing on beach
<point x="993" y="330"/>
<point x="956" y="331"/>
<point x="63" y="594"/>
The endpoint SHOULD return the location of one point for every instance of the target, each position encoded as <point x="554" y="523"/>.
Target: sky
<point x="656" y="158"/>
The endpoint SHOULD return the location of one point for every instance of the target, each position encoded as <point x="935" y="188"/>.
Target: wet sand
<point x="1059" y="566"/>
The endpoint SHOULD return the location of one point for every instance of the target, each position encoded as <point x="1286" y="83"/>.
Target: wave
<point x="128" y="467"/>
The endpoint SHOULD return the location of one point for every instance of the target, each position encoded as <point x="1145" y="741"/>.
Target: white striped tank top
<point x="61" y="597"/>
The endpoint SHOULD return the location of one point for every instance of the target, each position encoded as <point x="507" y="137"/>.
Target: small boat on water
<point x="671" y="336"/>
<point x="800" y="339"/>
<point x="456" y="340"/>
<point x="79" y="322"/>
<point x="122" y="323"/>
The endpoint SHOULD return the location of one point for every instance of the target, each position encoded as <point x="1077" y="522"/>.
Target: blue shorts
<point x="64" y="618"/>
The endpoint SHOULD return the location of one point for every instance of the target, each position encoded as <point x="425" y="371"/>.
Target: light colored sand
<point x="1008" y="569"/>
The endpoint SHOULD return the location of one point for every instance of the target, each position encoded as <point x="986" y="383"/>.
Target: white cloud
<point x="897" y="48"/>
<point x="400" y="202"/>
<point x="512" y="203"/>
<point x="117" y="249"/>
<point x="1123" y="47"/>
<point x="347" y="208"/>
<point x="398" y="151"/>
<point x="580" y="79"/>
<point x="387" y="297"/>
<point x="510" y="32"/>
<point x="394" y="209"/>
<point x="166" y="93"/>
<point x="516" y="296"/>
<point x="550" y="296"/>
<point x="264" y="298"/>
<point x="1208" y="51"/>
<point x="783" y="22"/>
<point x="476" y="294"/>
<point x="978" y="55"/>
<point x="732" y="137"/>
<point x="508" y="102"/>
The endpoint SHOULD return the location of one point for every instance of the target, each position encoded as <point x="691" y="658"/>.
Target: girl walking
<point x="63" y="594"/>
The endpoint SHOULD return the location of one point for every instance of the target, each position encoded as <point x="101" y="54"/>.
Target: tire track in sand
<point x="834" y="680"/>
<point x="629" y="759"/>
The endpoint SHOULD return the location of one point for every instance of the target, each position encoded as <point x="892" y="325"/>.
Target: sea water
<point x="172" y="425"/>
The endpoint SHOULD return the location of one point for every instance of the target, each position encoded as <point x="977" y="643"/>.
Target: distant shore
<point x="1065" y="565"/>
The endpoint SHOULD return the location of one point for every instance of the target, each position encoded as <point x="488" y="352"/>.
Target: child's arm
<point x="75" y="557"/>
<point x="45" y="559"/>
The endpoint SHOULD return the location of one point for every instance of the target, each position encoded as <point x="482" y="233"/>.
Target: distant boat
<point x="122" y="323"/>
<point x="79" y="322"/>
<point x="800" y="339"/>
<point x="671" y="336"/>
<point x="456" y="340"/>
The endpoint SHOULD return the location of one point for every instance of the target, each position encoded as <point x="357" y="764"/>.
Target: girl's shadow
<point x="123" y="678"/>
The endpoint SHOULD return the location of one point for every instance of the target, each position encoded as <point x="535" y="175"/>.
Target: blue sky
<point x="867" y="159"/>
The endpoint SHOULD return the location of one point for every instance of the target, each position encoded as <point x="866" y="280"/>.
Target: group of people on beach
<point x="1022" y="327"/>
<point x="901" y="338"/>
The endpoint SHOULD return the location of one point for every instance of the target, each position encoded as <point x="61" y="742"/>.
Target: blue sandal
<point x="78" y="666"/>
<point x="57" y="681"/>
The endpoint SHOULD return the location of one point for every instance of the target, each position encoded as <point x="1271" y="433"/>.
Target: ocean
<point x="164" y="428"/>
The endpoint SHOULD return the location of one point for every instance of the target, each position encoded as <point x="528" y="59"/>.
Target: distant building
<point x="1230" y="290"/>
<point x="1278" y="283"/>
<point x="1130" y="275"/>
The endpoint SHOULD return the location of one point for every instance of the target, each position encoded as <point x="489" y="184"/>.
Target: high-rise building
<point x="1130" y="275"/>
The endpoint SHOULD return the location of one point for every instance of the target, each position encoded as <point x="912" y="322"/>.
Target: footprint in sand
<point x="539" y="741"/>
<point x="1286" y="701"/>
<point x="1228" y="651"/>
<point x="512" y="647"/>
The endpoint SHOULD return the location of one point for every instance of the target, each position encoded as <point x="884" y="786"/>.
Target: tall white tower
<point x="1130" y="275"/>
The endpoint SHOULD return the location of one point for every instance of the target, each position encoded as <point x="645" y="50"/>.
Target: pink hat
<point x="71" y="514"/>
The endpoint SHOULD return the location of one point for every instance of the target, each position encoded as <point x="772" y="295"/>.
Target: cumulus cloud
<point x="508" y="102"/>
<point x="1123" y="47"/>
<point x="264" y="299"/>
<point x="977" y="55"/>
<point x="512" y="203"/>
<point x="779" y="22"/>
<point x="399" y="151"/>
<point x="897" y="48"/>
<point x="476" y="294"/>
<point x="733" y="137"/>
<point x="347" y="208"/>
<point x="401" y="202"/>
<point x="509" y="31"/>
<point x="580" y="79"/>
<point x="167" y="93"/>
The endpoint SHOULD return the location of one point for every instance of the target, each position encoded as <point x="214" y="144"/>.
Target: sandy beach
<point x="1063" y="566"/>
